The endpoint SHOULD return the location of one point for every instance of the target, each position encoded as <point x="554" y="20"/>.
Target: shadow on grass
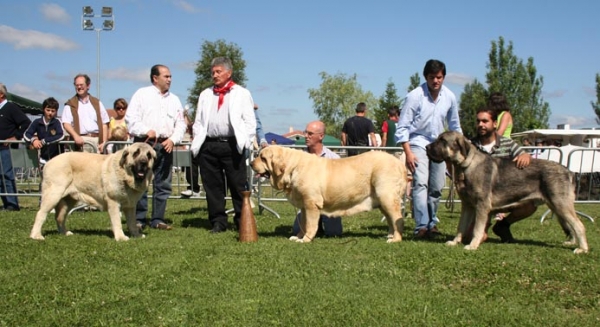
<point x="202" y="223"/>
<point x="85" y="232"/>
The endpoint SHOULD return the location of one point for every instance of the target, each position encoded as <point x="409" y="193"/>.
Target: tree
<point x="208" y="51"/>
<point x="473" y="97"/>
<point x="517" y="81"/>
<point x="336" y="98"/>
<point x="415" y="81"/>
<point x="387" y="100"/>
<point x="596" y="105"/>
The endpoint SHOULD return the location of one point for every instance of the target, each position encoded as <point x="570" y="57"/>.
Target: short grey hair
<point x="3" y="89"/>
<point x="222" y="61"/>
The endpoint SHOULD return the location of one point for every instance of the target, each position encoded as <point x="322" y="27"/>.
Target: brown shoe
<point x="434" y="231"/>
<point x="421" y="233"/>
<point x="163" y="226"/>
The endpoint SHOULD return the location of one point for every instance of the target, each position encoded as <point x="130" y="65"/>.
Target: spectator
<point x="155" y="116"/>
<point x="497" y="101"/>
<point x="260" y="135"/>
<point x="421" y="121"/>
<point x="388" y="129"/>
<point x="120" y="107"/>
<point x="224" y="128"/>
<point x="314" y="134"/>
<point x="191" y="173"/>
<point x="357" y="130"/>
<point x="13" y="123"/>
<point x="85" y="118"/>
<point x="45" y="133"/>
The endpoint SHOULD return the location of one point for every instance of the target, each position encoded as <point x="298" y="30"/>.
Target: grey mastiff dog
<point x="489" y="185"/>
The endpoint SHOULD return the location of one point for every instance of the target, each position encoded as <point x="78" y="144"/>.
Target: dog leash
<point x="450" y="200"/>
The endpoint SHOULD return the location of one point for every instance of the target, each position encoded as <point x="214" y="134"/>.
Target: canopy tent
<point x="328" y="140"/>
<point x="580" y="137"/>
<point x="278" y="139"/>
<point x="28" y="106"/>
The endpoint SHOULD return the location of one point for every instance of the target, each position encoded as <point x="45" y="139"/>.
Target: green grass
<point x="188" y="277"/>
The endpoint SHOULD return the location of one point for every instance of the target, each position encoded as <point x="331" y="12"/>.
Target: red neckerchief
<point x="221" y="91"/>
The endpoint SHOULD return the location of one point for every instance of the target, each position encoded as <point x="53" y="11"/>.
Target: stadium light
<point x="87" y="24"/>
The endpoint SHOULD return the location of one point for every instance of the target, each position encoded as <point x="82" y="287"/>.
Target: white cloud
<point x="459" y="79"/>
<point x="55" y="13"/>
<point x="28" y="92"/>
<point x="30" y="39"/>
<point x="126" y="74"/>
<point x="185" y="6"/>
<point x="574" y="121"/>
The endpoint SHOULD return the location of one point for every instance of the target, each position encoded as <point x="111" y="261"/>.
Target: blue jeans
<point x="161" y="189"/>
<point x="331" y="226"/>
<point x="8" y="184"/>
<point x="428" y="180"/>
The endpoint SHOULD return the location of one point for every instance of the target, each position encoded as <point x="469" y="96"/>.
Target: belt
<point x="151" y="140"/>
<point x="90" y="134"/>
<point x="220" y="139"/>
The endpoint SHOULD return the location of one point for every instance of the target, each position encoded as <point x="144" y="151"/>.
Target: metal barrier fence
<point x="583" y="162"/>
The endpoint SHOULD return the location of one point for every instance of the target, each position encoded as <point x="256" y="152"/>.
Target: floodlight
<point x="88" y="25"/>
<point x="107" y="11"/>
<point x="88" y="11"/>
<point x="108" y="25"/>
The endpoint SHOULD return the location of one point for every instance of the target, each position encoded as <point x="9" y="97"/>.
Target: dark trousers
<point x="221" y="166"/>
<point x="161" y="188"/>
<point x="191" y="176"/>
<point x="8" y="183"/>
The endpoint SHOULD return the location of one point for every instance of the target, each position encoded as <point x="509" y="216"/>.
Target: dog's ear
<point x="464" y="145"/>
<point x="124" y="155"/>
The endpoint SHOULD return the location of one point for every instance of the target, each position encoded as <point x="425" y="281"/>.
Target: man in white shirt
<point x="155" y="116"/>
<point x="84" y="117"/>
<point x="224" y="128"/>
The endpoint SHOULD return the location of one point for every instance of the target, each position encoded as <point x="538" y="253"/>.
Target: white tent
<point x="580" y="137"/>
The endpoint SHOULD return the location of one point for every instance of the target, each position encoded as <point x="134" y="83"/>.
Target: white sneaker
<point x="187" y="193"/>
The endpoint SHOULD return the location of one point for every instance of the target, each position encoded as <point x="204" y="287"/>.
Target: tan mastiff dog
<point x="336" y="187"/>
<point x="489" y="185"/>
<point x="113" y="182"/>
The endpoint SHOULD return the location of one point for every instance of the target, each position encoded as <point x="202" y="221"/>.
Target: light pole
<point x="87" y="24"/>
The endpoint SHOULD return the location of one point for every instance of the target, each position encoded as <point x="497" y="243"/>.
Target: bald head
<point x="316" y="126"/>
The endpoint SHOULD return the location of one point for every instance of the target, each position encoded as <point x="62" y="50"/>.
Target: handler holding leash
<point x="155" y="116"/>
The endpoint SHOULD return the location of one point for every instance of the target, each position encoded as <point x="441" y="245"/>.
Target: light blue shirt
<point x="422" y="119"/>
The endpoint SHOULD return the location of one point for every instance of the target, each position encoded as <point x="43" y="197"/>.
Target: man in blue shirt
<point x="422" y="119"/>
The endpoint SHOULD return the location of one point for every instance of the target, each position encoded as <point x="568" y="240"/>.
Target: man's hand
<point x="78" y="140"/>
<point x="523" y="160"/>
<point x="168" y="145"/>
<point x="411" y="160"/>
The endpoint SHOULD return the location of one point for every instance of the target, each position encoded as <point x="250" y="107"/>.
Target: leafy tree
<point x="336" y="98"/>
<point x="473" y="97"/>
<point x="596" y="105"/>
<point x="208" y="51"/>
<point x="415" y="81"/>
<point x="517" y="81"/>
<point x="387" y="100"/>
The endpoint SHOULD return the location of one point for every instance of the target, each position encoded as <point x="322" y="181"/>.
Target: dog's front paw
<point x="451" y="243"/>
<point x="121" y="238"/>
<point x="471" y="247"/>
<point x="294" y="238"/>
<point x="580" y="251"/>
<point x="68" y="233"/>
<point x="38" y="237"/>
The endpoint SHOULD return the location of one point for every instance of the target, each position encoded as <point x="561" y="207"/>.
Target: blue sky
<point x="287" y="43"/>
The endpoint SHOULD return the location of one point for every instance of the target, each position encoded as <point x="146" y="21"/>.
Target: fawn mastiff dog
<point x="336" y="187"/>
<point x="488" y="185"/>
<point x="113" y="182"/>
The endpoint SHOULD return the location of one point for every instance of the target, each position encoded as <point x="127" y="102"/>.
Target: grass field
<point x="189" y="277"/>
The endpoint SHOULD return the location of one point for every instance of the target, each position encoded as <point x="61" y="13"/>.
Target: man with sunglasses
<point x="313" y="136"/>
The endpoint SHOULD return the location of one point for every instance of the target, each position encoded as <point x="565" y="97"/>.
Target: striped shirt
<point x="504" y="148"/>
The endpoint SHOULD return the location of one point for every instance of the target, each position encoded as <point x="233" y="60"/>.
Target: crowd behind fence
<point x="583" y="162"/>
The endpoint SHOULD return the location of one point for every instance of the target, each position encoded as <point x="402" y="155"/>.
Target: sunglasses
<point x="120" y="108"/>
